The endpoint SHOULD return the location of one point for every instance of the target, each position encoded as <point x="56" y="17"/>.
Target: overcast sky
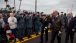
<point x="46" y="6"/>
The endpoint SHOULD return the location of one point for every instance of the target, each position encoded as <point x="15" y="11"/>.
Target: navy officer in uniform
<point x="44" y="28"/>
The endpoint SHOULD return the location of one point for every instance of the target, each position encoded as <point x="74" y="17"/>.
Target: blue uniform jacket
<point x="28" y="22"/>
<point x="20" y="22"/>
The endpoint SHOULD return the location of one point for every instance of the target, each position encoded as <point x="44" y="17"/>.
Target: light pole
<point x="20" y="4"/>
<point x="35" y="6"/>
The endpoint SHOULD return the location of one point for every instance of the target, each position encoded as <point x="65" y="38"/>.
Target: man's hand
<point x="73" y="30"/>
<point x="50" y="24"/>
<point x="13" y="20"/>
<point x="44" y="29"/>
<point x="59" y="32"/>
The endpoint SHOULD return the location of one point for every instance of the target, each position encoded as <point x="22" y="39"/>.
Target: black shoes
<point x="40" y="42"/>
<point x="21" y="39"/>
<point x="29" y="37"/>
<point x="46" y="41"/>
<point x="37" y="34"/>
<point x="71" y="42"/>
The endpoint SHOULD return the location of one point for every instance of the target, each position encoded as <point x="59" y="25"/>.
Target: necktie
<point x="68" y="22"/>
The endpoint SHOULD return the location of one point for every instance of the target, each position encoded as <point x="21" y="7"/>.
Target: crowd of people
<point x="25" y="24"/>
<point x="21" y="25"/>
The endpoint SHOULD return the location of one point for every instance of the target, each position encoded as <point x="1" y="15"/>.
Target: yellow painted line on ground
<point x="22" y="41"/>
<point x="18" y="42"/>
<point x="26" y="38"/>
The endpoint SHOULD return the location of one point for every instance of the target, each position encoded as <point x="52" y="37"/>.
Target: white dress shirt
<point x="12" y="22"/>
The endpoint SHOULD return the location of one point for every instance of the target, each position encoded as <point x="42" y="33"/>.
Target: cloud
<point x="46" y="6"/>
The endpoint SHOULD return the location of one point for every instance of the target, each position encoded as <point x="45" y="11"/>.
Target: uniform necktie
<point x="54" y="18"/>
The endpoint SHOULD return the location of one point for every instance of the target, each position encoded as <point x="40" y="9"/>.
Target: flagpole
<point x="67" y="11"/>
<point x="72" y="8"/>
<point x="35" y="6"/>
<point x="14" y="5"/>
<point x="20" y="4"/>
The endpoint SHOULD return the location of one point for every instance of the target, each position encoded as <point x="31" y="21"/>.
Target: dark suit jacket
<point x="57" y="24"/>
<point x="72" y="25"/>
<point x="44" y="22"/>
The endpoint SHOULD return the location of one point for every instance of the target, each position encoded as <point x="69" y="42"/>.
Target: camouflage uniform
<point x="37" y="23"/>
<point x="28" y="25"/>
<point x="20" y="27"/>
